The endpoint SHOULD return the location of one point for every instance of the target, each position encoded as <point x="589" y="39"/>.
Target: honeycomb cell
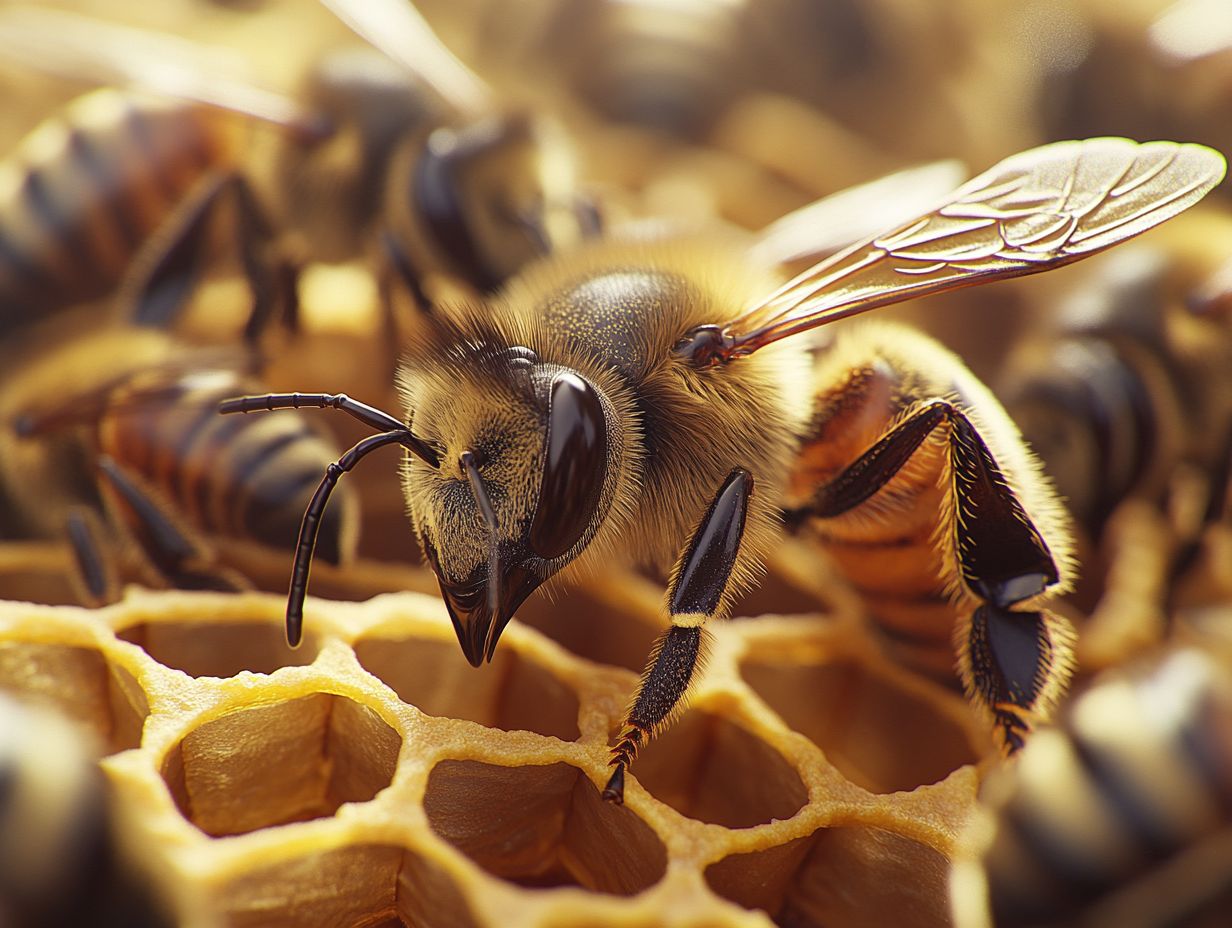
<point x="709" y="768"/>
<point x="213" y="648"/>
<point x="542" y="826"/>
<point x="80" y="682"/>
<point x="347" y="886"/>
<point x="593" y="627"/>
<point x="513" y="693"/>
<point x="879" y="734"/>
<point x="857" y="876"/>
<point x="287" y="762"/>
<point x="381" y="885"/>
<point x="775" y="595"/>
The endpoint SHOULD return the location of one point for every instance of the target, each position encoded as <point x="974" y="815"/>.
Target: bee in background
<point x="61" y="859"/>
<point x="1117" y="816"/>
<point x="401" y="157"/>
<point x="1126" y="398"/>
<point x="108" y="439"/>
<point x="645" y="400"/>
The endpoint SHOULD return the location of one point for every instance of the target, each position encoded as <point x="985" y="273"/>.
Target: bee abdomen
<point x="85" y="189"/>
<point x="1103" y="415"/>
<point x="240" y="477"/>
<point x="1138" y="776"/>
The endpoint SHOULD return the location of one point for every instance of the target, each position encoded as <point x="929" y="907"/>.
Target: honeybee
<point x="645" y="400"/>
<point x="399" y="155"/>
<point x="1125" y="400"/>
<point x="1118" y="815"/>
<point x="61" y="862"/>
<point x="109" y="436"/>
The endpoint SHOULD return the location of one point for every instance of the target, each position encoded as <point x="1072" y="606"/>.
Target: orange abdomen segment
<point x="246" y="477"/>
<point x="83" y="191"/>
<point x="892" y="548"/>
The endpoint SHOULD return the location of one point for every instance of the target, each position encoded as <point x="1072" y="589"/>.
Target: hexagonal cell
<point x="878" y="734"/>
<point x="774" y="594"/>
<point x="855" y="875"/>
<point x="542" y="826"/>
<point x="80" y="682"/>
<point x="211" y="647"/>
<point x="381" y="885"/>
<point x="287" y="762"/>
<point x="709" y="768"/>
<point x="513" y="693"/>
<point x="591" y="627"/>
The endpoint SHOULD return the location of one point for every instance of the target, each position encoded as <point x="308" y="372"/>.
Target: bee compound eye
<point x="575" y="464"/>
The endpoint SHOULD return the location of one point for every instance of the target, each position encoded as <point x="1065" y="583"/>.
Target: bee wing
<point x="81" y="48"/>
<point x="830" y="224"/>
<point x="1036" y="210"/>
<point x="1190" y="30"/>
<point x="396" y="28"/>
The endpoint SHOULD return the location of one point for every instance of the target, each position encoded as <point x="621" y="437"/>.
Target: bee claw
<point x="615" y="789"/>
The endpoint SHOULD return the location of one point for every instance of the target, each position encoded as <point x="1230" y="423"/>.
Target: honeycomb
<point x="372" y="777"/>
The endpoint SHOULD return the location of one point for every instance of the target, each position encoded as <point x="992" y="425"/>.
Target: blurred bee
<point x="1119" y="816"/>
<point x="110" y="436"/>
<point x="61" y="863"/>
<point x="645" y="400"/>
<point x="402" y="157"/>
<point x="1128" y="392"/>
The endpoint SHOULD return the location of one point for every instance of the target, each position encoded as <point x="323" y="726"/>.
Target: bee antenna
<point x="480" y="492"/>
<point x="369" y="415"/>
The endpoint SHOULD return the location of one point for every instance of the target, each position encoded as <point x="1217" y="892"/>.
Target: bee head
<point x="527" y="472"/>
<point x="495" y="193"/>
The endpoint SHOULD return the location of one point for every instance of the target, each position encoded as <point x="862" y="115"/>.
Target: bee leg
<point x="171" y="264"/>
<point x="1014" y="663"/>
<point x="96" y="571"/>
<point x="168" y="547"/>
<point x="398" y="263"/>
<point x="695" y="596"/>
<point x="1217" y="510"/>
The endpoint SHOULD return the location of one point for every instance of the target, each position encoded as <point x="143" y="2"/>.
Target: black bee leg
<point x="1217" y="510"/>
<point x="96" y="571"/>
<point x="1014" y="663"/>
<point x="171" y="264"/>
<point x="398" y="263"/>
<point x="695" y="596"/>
<point x="170" y="550"/>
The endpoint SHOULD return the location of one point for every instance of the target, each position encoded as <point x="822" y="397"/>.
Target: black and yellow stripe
<point x="229" y="477"/>
<point x="84" y="190"/>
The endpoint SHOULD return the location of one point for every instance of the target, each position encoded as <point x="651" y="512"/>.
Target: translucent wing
<point x="852" y="215"/>
<point x="81" y="48"/>
<point x="397" y="29"/>
<point x="1190" y="30"/>
<point x="1034" y="211"/>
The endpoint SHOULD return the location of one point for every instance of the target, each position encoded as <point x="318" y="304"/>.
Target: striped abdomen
<point x="84" y="190"/>
<point x="1134" y="384"/>
<point x="244" y="477"/>
<point x="1106" y="416"/>
<point x="1122" y="814"/>
<point x="898" y="548"/>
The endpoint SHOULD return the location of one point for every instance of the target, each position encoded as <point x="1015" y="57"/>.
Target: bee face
<point x="525" y="481"/>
